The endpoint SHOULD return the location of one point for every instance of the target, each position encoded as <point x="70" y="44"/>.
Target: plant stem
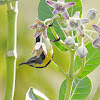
<point x="70" y="73"/>
<point x="86" y="30"/>
<point x="71" y="63"/>
<point x="12" y="11"/>
<point x="89" y="37"/>
<point x="53" y="64"/>
<point x="60" y="41"/>
<point x="80" y="70"/>
<point x="68" y="89"/>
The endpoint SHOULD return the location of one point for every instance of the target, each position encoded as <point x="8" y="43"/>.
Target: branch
<point x="54" y="65"/>
<point x="80" y="70"/>
<point x="12" y="10"/>
<point x="60" y="41"/>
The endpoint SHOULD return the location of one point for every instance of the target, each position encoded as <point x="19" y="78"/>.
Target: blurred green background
<point x="46" y="80"/>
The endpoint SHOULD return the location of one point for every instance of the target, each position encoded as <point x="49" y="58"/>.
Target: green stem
<point x="70" y="73"/>
<point x="68" y="89"/>
<point x="80" y="70"/>
<point x="53" y="64"/>
<point x="71" y="63"/>
<point x="11" y="50"/>
<point x="60" y="41"/>
<point x="89" y="37"/>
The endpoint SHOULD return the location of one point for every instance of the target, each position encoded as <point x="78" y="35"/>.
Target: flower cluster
<point x="40" y="30"/>
<point x="74" y="23"/>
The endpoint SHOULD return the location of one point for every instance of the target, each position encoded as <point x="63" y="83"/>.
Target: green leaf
<point x="30" y="95"/>
<point x="62" y="90"/>
<point x="92" y="61"/>
<point x="76" y="7"/>
<point x="80" y="90"/>
<point x="2" y="2"/>
<point x="34" y="94"/>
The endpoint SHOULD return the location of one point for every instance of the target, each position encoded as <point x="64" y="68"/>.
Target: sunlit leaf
<point x="80" y="90"/>
<point x="92" y="61"/>
<point x="76" y="7"/>
<point x="30" y="95"/>
<point x="34" y="94"/>
<point x="62" y="90"/>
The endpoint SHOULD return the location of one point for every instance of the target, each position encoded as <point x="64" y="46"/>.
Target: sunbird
<point x="43" y="60"/>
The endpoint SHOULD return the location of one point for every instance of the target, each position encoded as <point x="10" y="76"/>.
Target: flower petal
<point x="33" y="26"/>
<point x="96" y="28"/>
<point x="36" y="34"/>
<point x="38" y="21"/>
<point x="60" y="1"/>
<point x="55" y="11"/>
<point x="69" y="4"/>
<point x="68" y="29"/>
<point x="82" y="21"/>
<point x="33" y="51"/>
<point x="44" y="49"/>
<point x="51" y="3"/>
<point x="37" y="45"/>
<point x="79" y="32"/>
<point x="97" y="40"/>
<point x="65" y="14"/>
<point x="77" y="14"/>
<point x="96" y="43"/>
<point x="45" y="33"/>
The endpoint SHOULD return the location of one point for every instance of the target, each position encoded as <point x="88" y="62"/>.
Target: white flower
<point x="39" y="48"/>
<point x="92" y="14"/>
<point x="69" y="41"/>
<point x="40" y="28"/>
<point x="75" y="23"/>
<point x="82" y="51"/>
<point x="60" y="7"/>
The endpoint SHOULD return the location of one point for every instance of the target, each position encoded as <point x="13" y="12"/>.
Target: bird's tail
<point x="22" y="63"/>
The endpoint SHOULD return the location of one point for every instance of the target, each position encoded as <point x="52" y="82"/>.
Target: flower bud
<point x="82" y="51"/>
<point x="92" y="14"/>
<point x="69" y="41"/>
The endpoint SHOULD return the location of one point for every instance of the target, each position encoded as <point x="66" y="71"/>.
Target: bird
<point x="42" y="61"/>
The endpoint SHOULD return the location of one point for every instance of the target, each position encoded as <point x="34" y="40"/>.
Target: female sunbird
<point x="43" y="60"/>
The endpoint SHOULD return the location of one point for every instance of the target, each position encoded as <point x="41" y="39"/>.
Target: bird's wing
<point x="35" y="60"/>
